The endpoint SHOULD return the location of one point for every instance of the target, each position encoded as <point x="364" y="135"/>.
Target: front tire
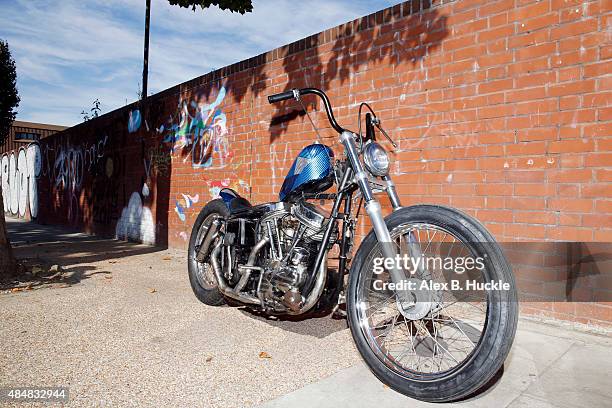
<point x="202" y="279"/>
<point x="400" y="370"/>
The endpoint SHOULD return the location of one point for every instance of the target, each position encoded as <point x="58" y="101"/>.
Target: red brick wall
<point x="501" y="109"/>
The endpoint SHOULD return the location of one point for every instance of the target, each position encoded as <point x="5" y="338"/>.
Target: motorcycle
<point x="415" y="334"/>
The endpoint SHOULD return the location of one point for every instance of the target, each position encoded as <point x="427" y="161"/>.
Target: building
<point x="22" y="133"/>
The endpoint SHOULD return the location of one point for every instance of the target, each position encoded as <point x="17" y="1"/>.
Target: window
<point x="26" y="136"/>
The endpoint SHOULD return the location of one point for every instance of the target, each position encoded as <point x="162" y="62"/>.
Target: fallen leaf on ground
<point x="263" y="354"/>
<point x="167" y="258"/>
<point x="29" y="287"/>
<point x="108" y="276"/>
<point x="16" y="290"/>
<point x="208" y="359"/>
<point x="64" y="285"/>
<point x="152" y="290"/>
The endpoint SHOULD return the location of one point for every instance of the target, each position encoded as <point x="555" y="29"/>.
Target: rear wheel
<point x="445" y="344"/>
<point x="201" y="274"/>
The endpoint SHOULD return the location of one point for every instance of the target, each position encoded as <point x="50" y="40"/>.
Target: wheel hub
<point x="418" y="303"/>
<point x="206" y="276"/>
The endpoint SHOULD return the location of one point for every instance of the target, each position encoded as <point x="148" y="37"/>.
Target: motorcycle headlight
<point x="376" y="159"/>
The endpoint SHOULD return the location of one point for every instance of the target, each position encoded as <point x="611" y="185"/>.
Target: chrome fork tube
<point x="373" y="209"/>
<point x="348" y="141"/>
<point x="392" y="193"/>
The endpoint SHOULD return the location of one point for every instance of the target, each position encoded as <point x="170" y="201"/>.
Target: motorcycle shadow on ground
<point x="319" y="325"/>
<point x="488" y="387"/>
<point x="323" y="325"/>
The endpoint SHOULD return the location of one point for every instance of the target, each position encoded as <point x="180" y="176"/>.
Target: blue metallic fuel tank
<point x="311" y="172"/>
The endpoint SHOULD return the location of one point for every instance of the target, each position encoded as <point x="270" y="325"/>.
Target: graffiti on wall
<point x="18" y="173"/>
<point x="134" y="121"/>
<point x="136" y="222"/>
<point x="88" y="177"/>
<point x="180" y="208"/>
<point x="215" y="186"/>
<point x="281" y="159"/>
<point x="187" y="202"/>
<point x="107" y="194"/>
<point x="201" y="134"/>
<point x="66" y="166"/>
<point x="147" y="168"/>
<point x="70" y="165"/>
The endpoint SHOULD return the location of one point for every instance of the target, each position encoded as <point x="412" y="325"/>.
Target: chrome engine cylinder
<point x="279" y="264"/>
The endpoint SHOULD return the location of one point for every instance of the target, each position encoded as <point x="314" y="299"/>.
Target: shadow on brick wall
<point x="408" y="36"/>
<point x="109" y="176"/>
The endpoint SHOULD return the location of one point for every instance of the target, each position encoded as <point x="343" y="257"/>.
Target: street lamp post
<point x="145" y="68"/>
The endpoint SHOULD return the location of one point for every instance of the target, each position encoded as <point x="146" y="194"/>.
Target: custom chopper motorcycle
<point x="416" y="335"/>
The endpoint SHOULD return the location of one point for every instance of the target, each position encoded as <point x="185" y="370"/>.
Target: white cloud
<point x="70" y="52"/>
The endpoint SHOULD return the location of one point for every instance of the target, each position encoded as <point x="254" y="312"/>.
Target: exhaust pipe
<point x="244" y="278"/>
<point x="316" y="292"/>
<point x="236" y="293"/>
<point x="211" y="233"/>
<point x="222" y="284"/>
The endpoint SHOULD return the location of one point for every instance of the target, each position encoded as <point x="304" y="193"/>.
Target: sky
<point x="70" y="52"/>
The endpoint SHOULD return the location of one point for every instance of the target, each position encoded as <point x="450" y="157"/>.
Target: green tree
<point x="9" y="99"/>
<point x="240" y="6"/>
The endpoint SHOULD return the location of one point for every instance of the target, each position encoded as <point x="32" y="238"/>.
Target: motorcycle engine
<point x="295" y="236"/>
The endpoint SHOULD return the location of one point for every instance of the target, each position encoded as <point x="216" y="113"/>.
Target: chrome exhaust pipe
<point x="317" y="290"/>
<point x="236" y="293"/>
<point x="250" y="264"/>
<point x="210" y="235"/>
<point x="222" y="284"/>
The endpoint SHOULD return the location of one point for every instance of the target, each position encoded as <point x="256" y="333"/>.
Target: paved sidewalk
<point x="127" y="331"/>
<point x="547" y="367"/>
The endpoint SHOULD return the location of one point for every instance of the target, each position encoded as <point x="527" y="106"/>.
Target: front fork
<point x="374" y="211"/>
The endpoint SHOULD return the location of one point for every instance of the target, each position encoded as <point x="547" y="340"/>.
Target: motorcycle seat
<point x="233" y="200"/>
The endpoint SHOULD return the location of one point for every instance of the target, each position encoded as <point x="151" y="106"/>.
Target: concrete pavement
<point x="547" y="367"/>
<point x="127" y="331"/>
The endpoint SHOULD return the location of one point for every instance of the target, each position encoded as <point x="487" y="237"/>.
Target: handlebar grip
<point x="283" y="96"/>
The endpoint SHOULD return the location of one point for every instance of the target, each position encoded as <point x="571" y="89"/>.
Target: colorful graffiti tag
<point x="182" y="205"/>
<point x="134" y="121"/>
<point x="200" y="134"/>
<point x="215" y="186"/>
<point x="180" y="208"/>
<point x="18" y="173"/>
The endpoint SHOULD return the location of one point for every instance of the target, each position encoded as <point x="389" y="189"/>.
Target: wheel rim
<point x="205" y="274"/>
<point x="437" y="344"/>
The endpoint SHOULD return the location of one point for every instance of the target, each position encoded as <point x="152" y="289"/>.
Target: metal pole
<point x="145" y="68"/>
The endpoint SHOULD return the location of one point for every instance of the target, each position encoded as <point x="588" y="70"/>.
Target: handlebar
<point x="283" y="96"/>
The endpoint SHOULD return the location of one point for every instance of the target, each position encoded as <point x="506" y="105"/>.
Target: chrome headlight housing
<point x="376" y="159"/>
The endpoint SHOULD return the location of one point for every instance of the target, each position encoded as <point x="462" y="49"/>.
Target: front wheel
<point x="446" y="344"/>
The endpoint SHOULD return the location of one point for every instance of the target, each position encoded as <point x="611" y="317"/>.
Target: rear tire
<point x="207" y="293"/>
<point x="497" y="334"/>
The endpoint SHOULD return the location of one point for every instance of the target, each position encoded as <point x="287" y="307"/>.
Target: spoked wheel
<point x="444" y="344"/>
<point x="201" y="274"/>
